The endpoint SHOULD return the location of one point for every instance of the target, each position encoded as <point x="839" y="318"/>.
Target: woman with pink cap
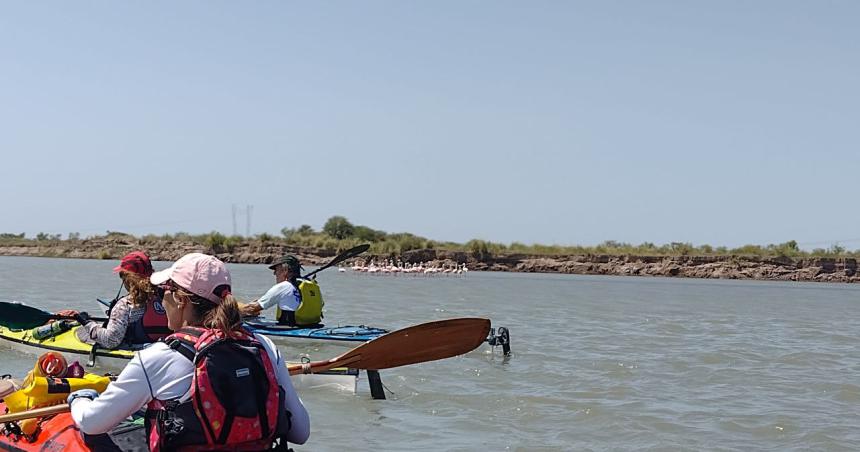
<point x="186" y="382"/>
<point x="137" y="318"/>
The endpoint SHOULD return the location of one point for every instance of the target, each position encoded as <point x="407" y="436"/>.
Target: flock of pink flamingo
<point x="391" y="267"/>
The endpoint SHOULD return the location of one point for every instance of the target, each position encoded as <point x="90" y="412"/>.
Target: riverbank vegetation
<point x="338" y="233"/>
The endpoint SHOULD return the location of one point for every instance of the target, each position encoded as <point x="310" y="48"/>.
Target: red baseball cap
<point x="135" y="262"/>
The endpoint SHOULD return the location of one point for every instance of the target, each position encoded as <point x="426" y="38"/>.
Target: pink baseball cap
<point x="200" y="274"/>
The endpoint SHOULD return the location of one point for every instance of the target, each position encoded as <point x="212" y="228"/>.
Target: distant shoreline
<point x="815" y="269"/>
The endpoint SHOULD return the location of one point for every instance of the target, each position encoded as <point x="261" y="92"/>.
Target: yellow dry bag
<point x="310" y="309"/>
<point x="44" y="391"/>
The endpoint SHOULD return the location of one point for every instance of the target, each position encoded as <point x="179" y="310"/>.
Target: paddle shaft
<point x="38" y="412"/>
<point x="21" y="317"/>
<point x="412" y="345"/>
<point x="71" y="317"/>
<point x="350" y="253"/>
<point x="317" y="366"/>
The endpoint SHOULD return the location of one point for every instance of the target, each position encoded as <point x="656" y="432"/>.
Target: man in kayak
<point x="137" y="318"/>
<point x="248" y="395"/>
<point x="298" y="301"/>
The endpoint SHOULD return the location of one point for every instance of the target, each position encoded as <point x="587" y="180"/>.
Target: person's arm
<point x="120" y="400"/>
<point x="112" y="335"/>
<point x="250" y="309"/>
<point x="300" y="422"/>
<point x="270" y="298"/>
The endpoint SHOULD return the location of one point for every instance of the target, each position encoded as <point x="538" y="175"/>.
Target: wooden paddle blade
<point x="421" y="343"/>
<point x="19" y="316"/>
<point x="429" y="341"/>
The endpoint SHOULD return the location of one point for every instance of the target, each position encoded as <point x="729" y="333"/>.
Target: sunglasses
<point x="165" y="287"/>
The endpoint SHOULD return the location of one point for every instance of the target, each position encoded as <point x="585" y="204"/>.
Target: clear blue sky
<point x="721" y="122"/>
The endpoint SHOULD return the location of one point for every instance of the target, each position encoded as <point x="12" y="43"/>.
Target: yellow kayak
<point x="68" y="344"/>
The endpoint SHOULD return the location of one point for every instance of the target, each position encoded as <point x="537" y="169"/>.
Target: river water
<point x="598" y="363"/>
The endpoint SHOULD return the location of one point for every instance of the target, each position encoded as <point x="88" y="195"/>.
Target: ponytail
<point x="225" y="316"/>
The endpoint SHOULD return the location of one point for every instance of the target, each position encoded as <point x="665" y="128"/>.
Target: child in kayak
<point x="206" y="319"/>
<point x="137" y="318"/>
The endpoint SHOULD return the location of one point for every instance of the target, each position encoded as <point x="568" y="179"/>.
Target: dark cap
<point x="292" y="262"/>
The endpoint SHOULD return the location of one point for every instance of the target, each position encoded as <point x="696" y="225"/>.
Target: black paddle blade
<point x="17" y="316"/>
<point x="348" y="254"/>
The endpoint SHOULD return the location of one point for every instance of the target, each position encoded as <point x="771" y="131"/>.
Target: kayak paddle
<point x="412" y="345"/>
<point x="37" y="412"/>
<point x="420" y="343"/>
<point x="18" y="316"/>
<point x="350" y="253"/>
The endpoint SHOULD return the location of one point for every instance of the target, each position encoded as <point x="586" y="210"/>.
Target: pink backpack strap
<point x="185" y="341"/>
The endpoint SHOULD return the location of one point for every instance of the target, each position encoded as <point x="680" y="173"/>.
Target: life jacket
<point x="151" y="327"/>
<point x="235" y="400"/>
<point x="310" y="307"/>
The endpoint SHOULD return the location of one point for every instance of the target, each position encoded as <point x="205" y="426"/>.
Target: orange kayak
<point x="58" y="433"/>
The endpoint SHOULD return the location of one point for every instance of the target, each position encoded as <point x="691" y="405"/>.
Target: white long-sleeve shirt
<point x="284" y="295"/>
<point x="164" y="374"/>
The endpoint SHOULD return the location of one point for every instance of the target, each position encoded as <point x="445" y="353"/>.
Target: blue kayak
<point x="347" y="335"/>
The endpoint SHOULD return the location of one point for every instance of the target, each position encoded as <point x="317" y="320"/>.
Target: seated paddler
<point x="297" y="301"/>
<point x="137" y="318"/>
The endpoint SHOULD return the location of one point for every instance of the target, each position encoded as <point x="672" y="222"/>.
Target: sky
<point x="721" y="122"/>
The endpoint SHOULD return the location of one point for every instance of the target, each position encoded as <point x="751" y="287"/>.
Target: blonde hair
<point x="140" y="290"/>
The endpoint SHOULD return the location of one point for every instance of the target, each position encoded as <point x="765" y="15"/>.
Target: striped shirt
<point x="121" y="316"/>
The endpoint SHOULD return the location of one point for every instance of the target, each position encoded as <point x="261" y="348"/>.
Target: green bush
<point x="749" y="250"/>
<point x="217" y="242"/>
<point x="367" y="234"/>
<point x="339" y="227"/>
<point x="13" y="239"/>
<point x="265" y="238"/>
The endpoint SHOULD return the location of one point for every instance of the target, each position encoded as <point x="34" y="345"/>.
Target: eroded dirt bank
<point x="717" y="267"/>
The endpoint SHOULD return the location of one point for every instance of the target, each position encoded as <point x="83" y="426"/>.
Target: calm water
<point x="599" y="363"/>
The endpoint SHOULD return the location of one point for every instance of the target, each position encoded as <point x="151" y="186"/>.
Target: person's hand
<point x="82" y="317"/>
<point x="250" y="309"/>
<point x="64" y="313"/>
<point x="91" y="394"/>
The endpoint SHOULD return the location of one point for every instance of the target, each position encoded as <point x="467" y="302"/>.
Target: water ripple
<point x="599" y="363"/>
